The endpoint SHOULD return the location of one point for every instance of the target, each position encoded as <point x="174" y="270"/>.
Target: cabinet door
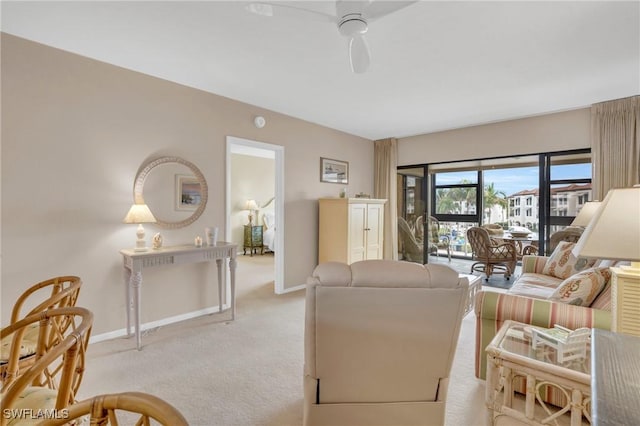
<point x="375" y="231"/>
<point x="357" y="234"/>
<point x="257" y="235"/>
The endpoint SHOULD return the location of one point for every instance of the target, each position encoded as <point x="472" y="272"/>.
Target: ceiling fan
<point x="352" y="19"/>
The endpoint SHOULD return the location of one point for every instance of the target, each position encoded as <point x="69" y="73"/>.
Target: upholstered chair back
<point x="380" y="337"/>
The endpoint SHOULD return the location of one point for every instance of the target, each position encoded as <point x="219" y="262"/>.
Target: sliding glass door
<point x="538" y="194"/>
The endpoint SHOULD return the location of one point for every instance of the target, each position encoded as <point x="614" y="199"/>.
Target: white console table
<point x="136" y="261"/>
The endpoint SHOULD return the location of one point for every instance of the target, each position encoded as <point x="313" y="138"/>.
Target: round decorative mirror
<point x="174" y="189"/>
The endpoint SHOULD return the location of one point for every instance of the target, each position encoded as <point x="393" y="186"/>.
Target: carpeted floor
<point x="246" y="372"/>
<point x="249" y="371"/>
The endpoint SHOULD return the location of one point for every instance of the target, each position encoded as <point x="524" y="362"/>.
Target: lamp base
<point x="141" y="244"/>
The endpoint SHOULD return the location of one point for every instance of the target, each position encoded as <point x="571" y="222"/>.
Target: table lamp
<point x="586" y="213"/>
<point x="251" y="205"/>
<point x="140" y="213"/>
<point x="614" y="233"/>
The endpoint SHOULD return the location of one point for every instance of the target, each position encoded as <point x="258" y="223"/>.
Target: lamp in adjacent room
<point x="140" y="213"/>
<point x="586" y="213"/>
<point x="614" y="233"/>
<point x="251" y="205"/>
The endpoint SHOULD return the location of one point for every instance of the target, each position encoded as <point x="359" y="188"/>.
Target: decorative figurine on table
<point x="157" y="241"/>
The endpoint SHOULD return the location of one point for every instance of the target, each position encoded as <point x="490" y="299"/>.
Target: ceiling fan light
<point x="350" y="27"/>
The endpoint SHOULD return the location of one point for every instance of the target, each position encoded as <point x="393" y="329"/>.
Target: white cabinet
<point x="350" y="229"/>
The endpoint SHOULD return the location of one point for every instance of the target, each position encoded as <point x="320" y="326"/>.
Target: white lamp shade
<point x="614" y="231"/>
<point x="586" y="213"/>
<point x="139" y="213"/>
<point x="251" y="205"/>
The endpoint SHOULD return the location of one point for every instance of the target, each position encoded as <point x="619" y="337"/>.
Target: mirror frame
<point x="146" y="168"/>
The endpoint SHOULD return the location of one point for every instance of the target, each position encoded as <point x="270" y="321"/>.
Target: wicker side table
<point x="510" y="355"/>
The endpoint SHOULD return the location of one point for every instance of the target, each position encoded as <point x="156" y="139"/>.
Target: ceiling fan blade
<point x="378" y="9"/>
<point x="359" y="54"/>
<point x="282" y="9"/>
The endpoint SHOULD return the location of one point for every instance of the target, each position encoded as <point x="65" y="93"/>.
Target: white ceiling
<point x="434" y="65"/>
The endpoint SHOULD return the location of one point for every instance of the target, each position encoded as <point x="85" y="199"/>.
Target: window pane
<point x="455" y="178"/>
<point x="456" y="201"/>
<point x="570" y="171"/>
<point x="567" y="200"/>
<point x="511" y="197"/>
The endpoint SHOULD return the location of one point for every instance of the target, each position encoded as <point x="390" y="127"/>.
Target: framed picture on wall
<point x="334" y="171"/>
<point x="188" y="192"/>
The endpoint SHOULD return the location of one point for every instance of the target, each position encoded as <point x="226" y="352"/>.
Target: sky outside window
<point x="511" y="181"/>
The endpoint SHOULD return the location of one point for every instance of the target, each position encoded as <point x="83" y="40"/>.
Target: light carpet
<point x="249" y="371"/>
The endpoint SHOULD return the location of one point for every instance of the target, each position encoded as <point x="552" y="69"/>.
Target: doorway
<point x="271" y="202"/>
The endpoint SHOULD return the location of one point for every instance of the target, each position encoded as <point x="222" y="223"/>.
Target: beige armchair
<point x="380" y="337"/>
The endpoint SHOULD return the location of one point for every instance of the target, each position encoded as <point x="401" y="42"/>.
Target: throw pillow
<point x="563" y="264"/>
<point x="582" y="288"/>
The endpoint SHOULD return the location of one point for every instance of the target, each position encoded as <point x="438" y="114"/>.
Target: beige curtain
<point x="384" y="186"/>
<point x="615" y="145"/>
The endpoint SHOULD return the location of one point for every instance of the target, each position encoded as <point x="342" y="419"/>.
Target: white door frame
<point x="278" y="202"/>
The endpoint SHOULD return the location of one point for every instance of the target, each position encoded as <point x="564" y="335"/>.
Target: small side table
<point x="511" y="354"/>
<point x="253" y="239"/>
<point x="475" y="285"/>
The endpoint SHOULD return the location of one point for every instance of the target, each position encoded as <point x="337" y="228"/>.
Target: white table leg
<point x="128" y="299"/>
<point x="136" y="283"/>
<point x="232" y="275"/>
<point x="220" y="301"/>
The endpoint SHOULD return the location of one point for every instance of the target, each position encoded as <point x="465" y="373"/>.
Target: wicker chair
<point x="411" y="248"/>
<point x="437" y="241"/>
<point x="64" y="292"/>
<point x="58" y="292"/>
<point x="104" y="409"/>
<point x="491" y="257"/>
<point x="418" y="228"/>
<point x="494" y="229"/>
<point x="53" y="380"/>
<point x="570" y="234"/>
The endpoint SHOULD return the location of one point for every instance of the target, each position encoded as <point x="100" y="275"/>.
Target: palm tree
<point x="493" y="197"/>
<point x="445" y="202"/>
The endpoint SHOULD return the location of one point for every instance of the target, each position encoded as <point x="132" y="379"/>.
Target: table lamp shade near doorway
<point x="140" y="213"/>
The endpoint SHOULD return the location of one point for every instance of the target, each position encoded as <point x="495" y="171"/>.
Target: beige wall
<point x="74" y="133"/>
<point x="546" y="133"/>
<point x="251" y="178"/>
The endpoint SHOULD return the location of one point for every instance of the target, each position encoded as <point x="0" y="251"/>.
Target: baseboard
<point x="296" y="288"/>
<point x="154" y="324"/>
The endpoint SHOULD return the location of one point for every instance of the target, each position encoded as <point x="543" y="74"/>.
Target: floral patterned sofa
<point x="559" y="289"/>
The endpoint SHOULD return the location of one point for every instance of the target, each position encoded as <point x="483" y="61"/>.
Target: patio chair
<point x="418" y="227"/>
<point x="569" y="234"/>
<point x="494" y="229"/>
<point x="410" y="248"/>
<point x="491" y="256"/>
<point x="437" y="241"/>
